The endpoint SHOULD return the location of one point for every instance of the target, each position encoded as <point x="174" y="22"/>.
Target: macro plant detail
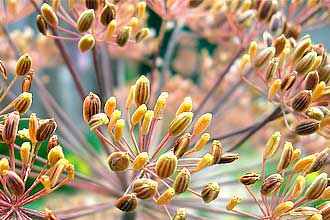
<point x="221" y="77"/>
<point x="289" y="192"/>
<point x="161" y="171"/>
<point x="16" y="173"/>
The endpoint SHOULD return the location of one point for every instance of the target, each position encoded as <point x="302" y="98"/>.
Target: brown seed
<point x="108" y="13"/>
<point x="317" y="187"/>
<point x="118" y="161"/>
<point x="228" y="158"/>
<point x="324" y="209"/>
<point x="48" y="14"/>
<point x="264" y="56"/>
<point x="266" y="9"/>
<point x="166" y="165"/>
<point x="195" y="3"/>
<point x="216" y="151"/>
<point x="41" y="24"/>
<point x="292" y="30"/>
<point x="180" y="123"/>
<point x="86" y="43"/>
<point x="302" y="101"/>
<point x="182" y="181"/>
<point x="10" y="128"/>
<point x="312" y="80"/>
<point x="141" y="93"/>
<point x="123" y="35"/>
<point x="85" y="20"/>
<point x="277" y="23"/>
<point x="27" y="82"/>
<point x="249" y="178"/>
<point x="288" y="81"/>
<point x="14" y="183"/>
<point x="145" y="188"/>
<point x="286" y="156"/>
<point x="52" y="142"/>
<point x="45" y="129"/>
<point x="324" y="72"/>
<point x="142" y="34"/>
<point x="23" y="102"/>
<point x="23" y="65"/>
<point x="271" y="184"/>
<point x="319" y="161"/>
<point x="210" y="192"/>
<point x="127" y="203"/>
<point x="306" y="127"/>
<point x="181" y="144"/>
<point x="271" y="69"/>
<point x="91" y="106"/>
<point x="92" y="4"/>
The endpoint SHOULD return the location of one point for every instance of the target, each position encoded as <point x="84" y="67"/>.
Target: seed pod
<point x="91" y="106"/>
<point x="119" y="130"/>
<point x="55" y="154"/>
<point x="317" y="187"/>
<point x="302" y="100"/>
<point x="118" y="161"/>
<point x="138" y="114"/>
<point x="27" y="82"/>
<point x="271" y="69"/>
<point x="45" y="129"/>
<point x="195" y="3"/>
<point x="233" y="203"/>
<point x="207" y="160"/>
<point x="273" y="89"/>
<point x="145" y="188"/>
<point x="140" y="161"/>
<point x="304" y="162"/>
<point x="216" y="151"/>
<point x="268" y="39"/>
<point x="148" y="117"/>
<point x="33" y="126"/>
<point x="318" y="91"/>
<point x="56" y="171"/>
<point x="305" y="64"/>
<point x="283" y="208"/>
<point x="185" y="106"/>
<point x="266" y="9"/>
<point x="311" y="80"/>
<point x="160" y="104"/>
<point x="10" y="128"/>
<point x="298" y="187"/>
<point x="25" y="152"/>
<point x="141" y="93"/>
<point x="14" y="183"/>
<point x="180" y="123"/>
<point x="41" y="24"/>
<point x="324" y="209"/>
<point x="288" y="81"/>
<point x="304" y="211"/>
<point x="113" y="119"/>
<point x="306" y="127"/>
<point x="277" y="24"/>
<point x="326" y="193"/>
<point x="141" y="8"/>
<point x="123" y="35"/>
<point x="110" y="30"/>
<point x="166" y="165"/>
<point x="3" y="71"/>
<point x="127" y="203"/>
<point x="202" y="123"/>
<point x="180" y="214"/>
<point x="23" y="65"/>
<point x="319" y="161"/>
<point x="295" y="154"/>
<point x="164" y="198"/>
<point x="249" y="178"/>
<point x="201" y="142"/>
<point x="45" y="181"/>
<point x="142" y="34"/>
<point x="324" y="73"/>
<point x="272" y="145"/>
<point x="4" y="166"/>
<point x="48" y="14"/>
<point x="86" y="42"/>
<point x="264" y="56"/>
<point x="85" y="20"/>
<point x="228" y="158"/>
<point x="210" y="192"/>
<point x="292" y="30"/>
<point x="23" y="102"/>
<point x="181" y="181"/>
<point x="302" y="48"/>
<point x="181" y="144"/>
<point x="271" y="184"/>
<point x="92" y="4"/>
<point x="285" y="157"/>
<point x="108" y="13"/>
<point x="110" y="106"/>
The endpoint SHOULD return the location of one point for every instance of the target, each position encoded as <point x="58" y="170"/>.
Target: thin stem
<point x="9" y="88"/>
